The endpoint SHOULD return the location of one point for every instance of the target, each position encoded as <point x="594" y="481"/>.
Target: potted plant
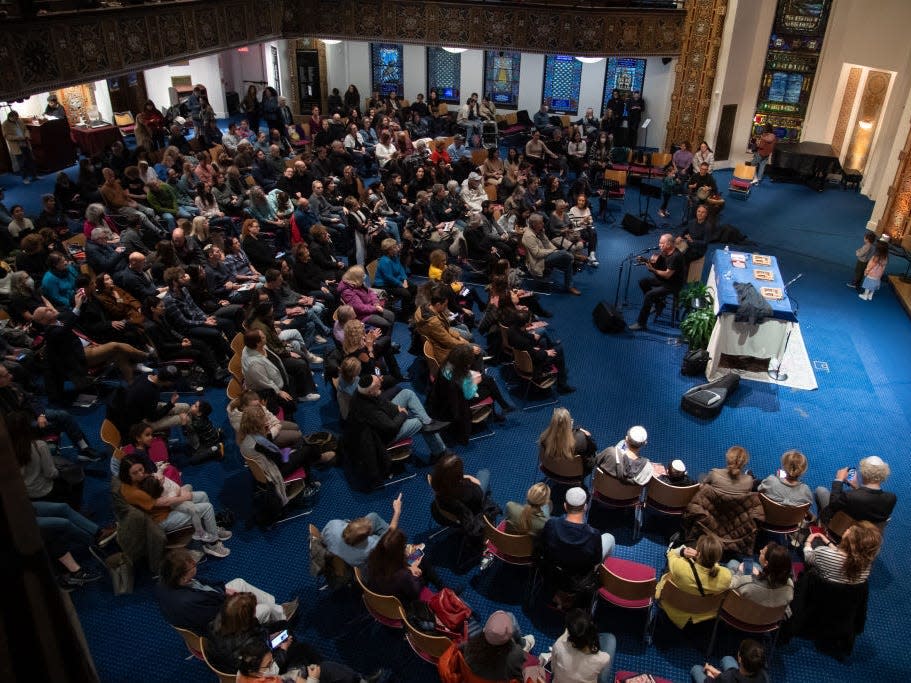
<point x="696" y="295"/>
<point x="697" y="327"/>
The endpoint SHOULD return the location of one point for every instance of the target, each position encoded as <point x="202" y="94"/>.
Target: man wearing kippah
<point x="572" y="545"/>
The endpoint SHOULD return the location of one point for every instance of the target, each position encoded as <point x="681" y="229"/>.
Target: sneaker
<point x="313" y="359"/>
<point x="754" y="182"/>
<point x="216" y="549"/>
<point x="434" y="426"/>
<point x="223" y="534"/>
<point x="140" y="367"/>
<point x="309" y="398"/>
<point x="593" y="263"/>
<point x="485" y="562"/>
<point x="72" y="580"/>
<point x="311" y="490"/>
<point x="320" y="339"/>
<point x="205" y="537"/>
<point x="290" y="608"/>
<point x="636" y="327"/>
<point x="89" y="454"/>
<point x="528" y="642"/>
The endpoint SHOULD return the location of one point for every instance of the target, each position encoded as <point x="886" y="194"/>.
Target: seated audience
<point x="785" y="486"/>
<point x="861" y="501"/>
<point x="499" y="652"/>
<point x="676" y="474"/>
<point x="563" y="441"/>
<point x="581" y="654"/>
<point x="353" y="540"/>
<point x="531" y="517"/>
<point x="851" y="559"/>
<point x="695" y="571"/>
<point x="731" y="478"/>
<point x="769" y="583"/>
<point x="748" y="667"/>
<point x="624" y="462"/>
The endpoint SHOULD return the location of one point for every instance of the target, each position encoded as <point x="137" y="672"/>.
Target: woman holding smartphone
<point x="785" y="486"/>
<point x="767" y="582"/>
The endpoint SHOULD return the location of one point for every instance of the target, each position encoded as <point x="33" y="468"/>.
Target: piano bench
<point x="851" y="177"/>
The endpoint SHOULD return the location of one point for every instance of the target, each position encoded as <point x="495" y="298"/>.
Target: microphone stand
<point x="627" y="264"/>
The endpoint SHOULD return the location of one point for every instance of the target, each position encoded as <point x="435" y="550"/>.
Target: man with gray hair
<point x="101" y="255"/>
<point x="863" y="499"/>
<point x="540" y="253"/>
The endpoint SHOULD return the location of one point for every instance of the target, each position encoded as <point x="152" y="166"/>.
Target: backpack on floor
<point x="706" y="400"/>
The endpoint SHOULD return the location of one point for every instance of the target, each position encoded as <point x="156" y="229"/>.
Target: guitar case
<point x="706" y="400"/>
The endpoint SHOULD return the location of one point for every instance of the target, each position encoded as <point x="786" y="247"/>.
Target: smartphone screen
<point x="748" y="566"/>
<point x="415" y="556"/>
<point x="852" y="473"/>
<point x="279" y="638"/>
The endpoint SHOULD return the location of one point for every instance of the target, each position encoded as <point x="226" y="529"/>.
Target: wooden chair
<point x="337" y="565"/>
<point x="614" y="493"/>
<point x="294" y="484"/>
<point x="385" y="609"/>
<point x="235" y="367"/>
<point x="566" y="472"/>
<point x="237" y="344"/>
<point x="525" y="369"/>
<point x="515" y="549"/>
<point x="179" y="538"/>
<point x="781" y="519"/>
<point x="741" y="181"/>
<point x="667" y="499"/>
<point x="841" y="521"/>
<point x="660" y="160"/>
<point x="433" y="366"/>
<point x="192" y="641"/>
<point x="626" y="584"/>
<point x="76" y="240"/>
<point x="750" y="617"/>
<point x="222" y="676"/>
<point x="234" y="389"/>
<point x="125" y="122"/>
<point x="491" y="191"/>
<point x="672" y="596"/>
<point x="427" y="647"/>
<point x="371" y="270"/>
<point x="110" y="434"/>
<point x="505" y="346"/>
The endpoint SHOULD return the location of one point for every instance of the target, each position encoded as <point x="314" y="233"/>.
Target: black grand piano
<point x="803" y="162"/>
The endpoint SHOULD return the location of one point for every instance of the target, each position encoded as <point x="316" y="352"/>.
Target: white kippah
<point x="874" y="460"/>
<point x="637" y="435"/>
<point x="576" y="497"/>
<point x="678" y="466"/>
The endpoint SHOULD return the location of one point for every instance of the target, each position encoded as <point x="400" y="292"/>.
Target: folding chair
<point x="294" y="485"/>
<point x="672" y="596"/>
<point x="192" y="641"/>
<point x="525" y="369"/>
<point x="613" y="493"/>
<point x="222" y="676"/>
<point x="385" y="609"/>
<point x="626" y="584"/>
<point x="782" y="520"/>
<point x="750" y="617"/>
<point x="666" y="499"/>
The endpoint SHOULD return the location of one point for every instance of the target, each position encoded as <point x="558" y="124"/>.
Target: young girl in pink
<point x="874" y="271"/>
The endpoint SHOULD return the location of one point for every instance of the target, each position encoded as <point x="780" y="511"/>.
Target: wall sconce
<point x="331" y="42"/>
<point x="865" y="125"/>
<point x="589" y="60"/>
<point x="455" y="50"/>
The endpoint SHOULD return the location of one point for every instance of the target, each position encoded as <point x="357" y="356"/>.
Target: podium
<point x="52" y="148"/>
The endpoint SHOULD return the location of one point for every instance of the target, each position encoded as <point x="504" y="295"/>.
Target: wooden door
<point x="308" y="80"/>
<point x="128" y="92"/>
<point x="725" y="132"/>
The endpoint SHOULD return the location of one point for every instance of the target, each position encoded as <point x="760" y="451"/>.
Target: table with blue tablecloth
<point x="733" y="343"/>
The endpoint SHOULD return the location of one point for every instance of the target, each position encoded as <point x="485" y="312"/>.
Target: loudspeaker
<point x="665" y="60"/>
<point x="608" y="319"/>
<point x="634" y="225"/>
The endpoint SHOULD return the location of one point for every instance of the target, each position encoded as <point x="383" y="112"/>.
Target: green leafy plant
<point x="697" y="327"/>
<point x="696" y="295"/>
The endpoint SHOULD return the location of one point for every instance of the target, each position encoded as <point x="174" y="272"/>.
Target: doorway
<point x="128" y="92"/>
<point x="309" y="90"/>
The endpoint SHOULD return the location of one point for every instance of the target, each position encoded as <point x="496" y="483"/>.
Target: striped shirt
<point x="830" y="561"/>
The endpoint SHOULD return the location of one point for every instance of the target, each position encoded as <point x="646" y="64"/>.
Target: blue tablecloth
<point x="727" y="295"/>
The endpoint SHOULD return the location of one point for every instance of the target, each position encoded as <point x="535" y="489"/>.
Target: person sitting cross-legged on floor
<point x="189" y="602"/>
<point x="572" y="548"/>
<point x="748" y="667"/>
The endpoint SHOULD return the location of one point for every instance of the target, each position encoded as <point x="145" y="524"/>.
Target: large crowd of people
<point x="253" y="258"/>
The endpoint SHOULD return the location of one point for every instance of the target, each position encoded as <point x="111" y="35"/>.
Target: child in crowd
<point x="873" y="273"/>
<point x="158" y="486"/>
<point x="863" y="253"/>
<point x="676" y="474"/>
<point x="669" y="188"/>
<point x="203" y="437"/>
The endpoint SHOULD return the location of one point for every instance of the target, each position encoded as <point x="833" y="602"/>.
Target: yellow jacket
<point x="681" y="573"/>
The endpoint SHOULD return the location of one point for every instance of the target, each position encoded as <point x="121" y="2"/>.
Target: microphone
<point x="647" y="250"/>
<point x="793" y="280"/>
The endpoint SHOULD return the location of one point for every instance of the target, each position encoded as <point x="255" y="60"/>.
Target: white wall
<point x="871" y="34"/>
<point x="34" y="105"/>
<point x="740" y="64"/>
<point x="204" y="70"/>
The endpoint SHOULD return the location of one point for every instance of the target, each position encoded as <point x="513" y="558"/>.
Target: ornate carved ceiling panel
<point x="47" y="53"/>
<point x="583" y="32"/>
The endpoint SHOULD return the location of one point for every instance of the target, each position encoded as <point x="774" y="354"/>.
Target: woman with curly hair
<point x="851" y="559"/>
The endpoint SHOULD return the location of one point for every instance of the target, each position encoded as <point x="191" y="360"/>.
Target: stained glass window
<point x="386" y="67"/>
<point x="624" y="74"/>
<point x="501" y="78"/>
<point x="562" y="79"/>
<point x="444" y="72"/>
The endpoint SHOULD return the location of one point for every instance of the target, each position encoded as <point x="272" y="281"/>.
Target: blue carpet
<point x="860" y="408"/>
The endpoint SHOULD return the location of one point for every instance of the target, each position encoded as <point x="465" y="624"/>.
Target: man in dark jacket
<point x="135" y="279"/>
<point x="191" y="603"/>
<point x="101" y="256"/>
<point x="140" y="402"/>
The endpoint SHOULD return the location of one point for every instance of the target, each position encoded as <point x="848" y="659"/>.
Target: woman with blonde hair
<point x="695" y="571"/>
<point x="851" y="559"/>
<point x="375" y="358"/>
<point x="561" y="441"/>
<point x="732" y="478"/>
<point x="531" y="517"/>
<point x="282" y="432"/>
<point x="785" y="486"/>
<point x="353" y="291"/>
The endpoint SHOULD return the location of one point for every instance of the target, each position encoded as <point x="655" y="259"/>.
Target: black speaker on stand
<point x="634" y="225"/>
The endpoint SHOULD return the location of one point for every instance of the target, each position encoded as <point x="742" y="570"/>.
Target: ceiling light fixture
<point x="455" y="50"/>
<point x="331" y="42"/>
<point x="866" y="125"/>
<point x="589" y="60"/>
